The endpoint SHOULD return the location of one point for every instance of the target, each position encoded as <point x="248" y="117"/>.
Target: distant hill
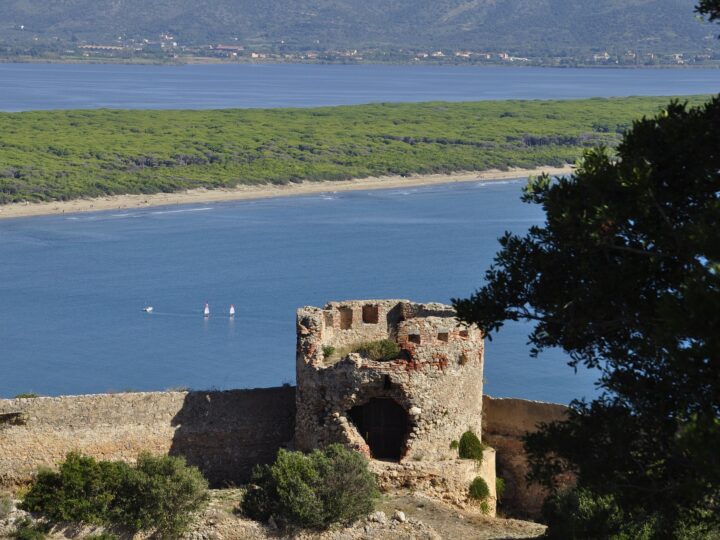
<point x="537" y="26"/>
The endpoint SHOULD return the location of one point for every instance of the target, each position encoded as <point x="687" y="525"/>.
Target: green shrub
<point x="27" y="395"/>
<point x="83" y="490"/>
<point x="312" y="490"/>
<point x="328" y="351"/>
<point x="454" y="445"/>
<point x="162" y="494"/>
<point x="479" y="490"/>
<point x="470" y="447"/>
<point x="580" y="514"/>
<point x="499" y="488"/>
<point x="102" y="536"/>
<point x="380" y="351"/>
<point x="25" y="529"/>
<point x="159" y="494"/>
<point x="6" y="506"/>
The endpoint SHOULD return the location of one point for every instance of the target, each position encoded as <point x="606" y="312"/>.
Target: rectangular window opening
<point x="370" y="314"/>
<point x="346" y="318"/>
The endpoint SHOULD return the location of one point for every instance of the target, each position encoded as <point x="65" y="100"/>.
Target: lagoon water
<point x="72" y="287"/>
<point x="69" y="86"/>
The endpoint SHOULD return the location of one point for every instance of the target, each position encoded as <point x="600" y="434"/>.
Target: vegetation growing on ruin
<point x="312" y="490"/>
<point x="60" y="155"/>
<point x="380" y="351"/>
<point x="160" y="494"/>
<point x="480" y="492"/>
<point x="470" y="447"/>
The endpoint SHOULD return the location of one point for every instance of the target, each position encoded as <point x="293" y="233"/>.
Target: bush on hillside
<point x="470" y="447"/>
<point x="578" y="513"/>
<point x="6" y="506"/>
<point x="160" y="494"/>
<point x="380" y="351"/>
<point x="312" y="490"/>
<point x="26" y="529"/>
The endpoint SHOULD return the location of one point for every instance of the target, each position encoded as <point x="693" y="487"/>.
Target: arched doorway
<point x="384" y="425"/>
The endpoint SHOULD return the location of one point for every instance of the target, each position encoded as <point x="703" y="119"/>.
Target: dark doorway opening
<point x="384" y="425"/>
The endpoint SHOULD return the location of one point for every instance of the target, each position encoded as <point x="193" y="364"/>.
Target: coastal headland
<point x="263" y="191"/>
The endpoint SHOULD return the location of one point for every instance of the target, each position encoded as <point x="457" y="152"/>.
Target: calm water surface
<point x="68" y="86"/>
<point x="72" y="287"/>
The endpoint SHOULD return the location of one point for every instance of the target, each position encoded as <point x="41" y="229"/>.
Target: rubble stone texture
<point x="403" y="413"/>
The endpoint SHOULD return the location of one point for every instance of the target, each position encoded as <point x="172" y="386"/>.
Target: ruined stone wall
<point x="437" y="379"/>
<point x="223" y="433"/>
<point x="505" y="422"/>
<point x="402" y="412"/>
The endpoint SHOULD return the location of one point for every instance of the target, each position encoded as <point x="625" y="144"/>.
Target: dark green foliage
<point x="709" y="8"/>
<point x="102" y="536"/>
<point x="312" y="490"/>
<point x="26" y="529"/>
<point x="60" y="155"/>
<point x="27" y="395"/>
<point x="454" y="445"/>
<point x="380" y="351"/>
<point x="83" y="490"/>
<point x="159" y="494"/>
<point x="328" y="351"/>
<point x="163" y="495"/>
<point x="470" y="447"/>
<point x="579" y="515"/>
<point x="625" y="277"/>
<point x="499" y="488"/>
<point x="479" y="489"/>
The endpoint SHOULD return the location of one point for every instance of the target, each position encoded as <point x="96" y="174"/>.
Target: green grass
<point x="60" y="155"/>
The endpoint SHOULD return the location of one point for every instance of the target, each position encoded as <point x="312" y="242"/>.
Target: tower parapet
<point x="402" y="410"/>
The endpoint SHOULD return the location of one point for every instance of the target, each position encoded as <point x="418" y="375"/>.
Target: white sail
<point x="232" y="310"/>
<point x="206" y="311"/>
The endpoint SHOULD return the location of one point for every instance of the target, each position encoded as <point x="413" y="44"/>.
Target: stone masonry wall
<point x="223" y="433"/>
<point x="505" y="422"/>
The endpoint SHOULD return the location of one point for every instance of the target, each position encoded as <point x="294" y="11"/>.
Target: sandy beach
<point x="199" y="196"/>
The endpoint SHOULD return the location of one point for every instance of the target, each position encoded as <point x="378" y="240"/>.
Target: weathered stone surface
<point x="223" y="433"/>
<point x="427" y="397"/>
<point x="505" y="422"/>
<point x="437" y="385"/>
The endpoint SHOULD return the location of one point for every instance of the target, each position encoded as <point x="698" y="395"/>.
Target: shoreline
<point x="263" y="191"/>
<point x="206" y="60"/>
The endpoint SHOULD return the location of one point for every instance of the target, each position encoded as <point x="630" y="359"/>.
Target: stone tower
<point x="403" y="412"/>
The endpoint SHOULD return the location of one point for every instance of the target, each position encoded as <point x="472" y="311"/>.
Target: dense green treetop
<point x="537" y="26"/>
<point x="624" y="275"/>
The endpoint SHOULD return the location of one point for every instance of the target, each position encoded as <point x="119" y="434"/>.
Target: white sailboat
<point x="206" y="311"/>
<point x="232" y="310"/>
<point x="148" y="309"/>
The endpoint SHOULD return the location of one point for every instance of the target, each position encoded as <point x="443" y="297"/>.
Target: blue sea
<point x="72" y="287"/>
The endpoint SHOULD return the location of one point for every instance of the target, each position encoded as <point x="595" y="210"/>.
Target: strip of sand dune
<point x="262" y="191"/>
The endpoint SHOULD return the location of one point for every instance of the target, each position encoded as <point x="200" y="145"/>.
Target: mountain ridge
<point x="540" y="26"/>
